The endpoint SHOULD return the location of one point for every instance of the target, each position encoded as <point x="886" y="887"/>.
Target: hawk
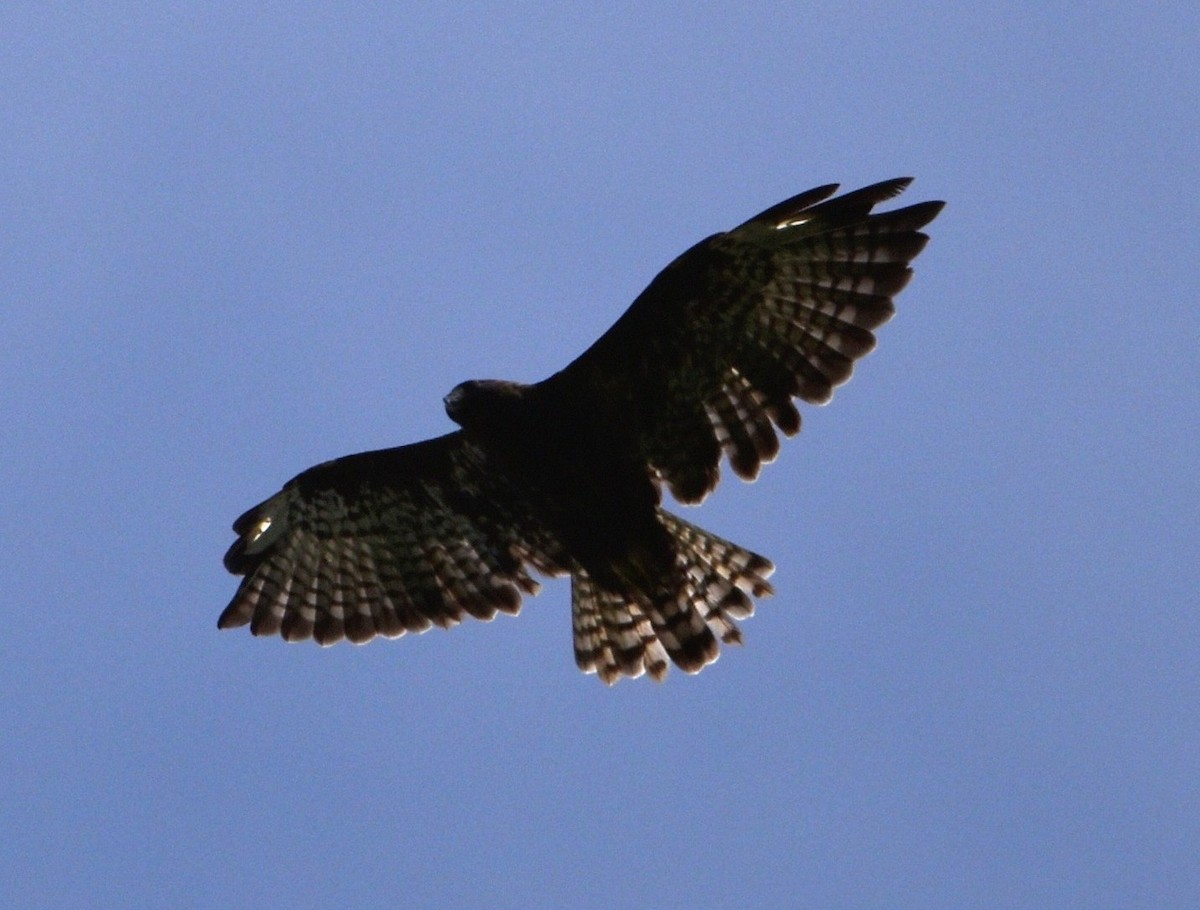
<point x="565" y="476"/>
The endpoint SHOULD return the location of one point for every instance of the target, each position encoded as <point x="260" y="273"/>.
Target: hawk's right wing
<point x="387" y="542"/>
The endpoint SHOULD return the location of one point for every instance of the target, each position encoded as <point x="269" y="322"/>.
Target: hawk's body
<point x="564" y="476"/>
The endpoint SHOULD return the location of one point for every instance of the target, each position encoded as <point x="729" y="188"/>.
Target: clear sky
<point x="239" y="239"/>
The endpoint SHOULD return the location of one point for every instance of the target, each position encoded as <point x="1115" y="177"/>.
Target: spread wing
<point x="387" y="542"/>
<point x="709" y="357"/>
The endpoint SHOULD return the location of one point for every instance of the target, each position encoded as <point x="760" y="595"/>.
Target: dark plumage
<point x="564" y="476"/>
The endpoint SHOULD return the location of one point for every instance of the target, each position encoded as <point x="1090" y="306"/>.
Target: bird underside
<point x="563" y="477"/>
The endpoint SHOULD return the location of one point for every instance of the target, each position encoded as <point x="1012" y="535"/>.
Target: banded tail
<point x="616" y="635"/>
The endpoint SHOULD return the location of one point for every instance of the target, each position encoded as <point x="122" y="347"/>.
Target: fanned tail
<point x="617" y="634"/>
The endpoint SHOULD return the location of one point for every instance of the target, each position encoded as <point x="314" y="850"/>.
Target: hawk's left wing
<point x="387" y="542"/>
<point x="709" y="357"/>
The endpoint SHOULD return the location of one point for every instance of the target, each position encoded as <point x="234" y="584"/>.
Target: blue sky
<point x="241" y="239"/>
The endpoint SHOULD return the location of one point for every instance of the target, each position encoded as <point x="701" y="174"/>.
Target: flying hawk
<point x="565" y="476"/>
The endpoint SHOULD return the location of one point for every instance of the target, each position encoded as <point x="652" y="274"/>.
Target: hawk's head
<point x="481" y="403"/>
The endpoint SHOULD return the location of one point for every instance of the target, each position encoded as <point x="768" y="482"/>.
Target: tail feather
<point x="614" y="637"/>
<point x="618" y="634"/>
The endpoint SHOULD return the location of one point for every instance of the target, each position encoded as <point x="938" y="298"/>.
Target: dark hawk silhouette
<point x="564" y="476"/>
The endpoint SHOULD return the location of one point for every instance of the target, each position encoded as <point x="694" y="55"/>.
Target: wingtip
<point x="914" y="217"/>
<point x="933" y="207"/>
<point x="874" y="193"/>
<point x="235" y="557"/>
<point x="818" y="200"/>
<point x="234" y="615"/>
<point x="891" y="188"/>
<point x="862" y="200"/>
<point x="790" y="206"/>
